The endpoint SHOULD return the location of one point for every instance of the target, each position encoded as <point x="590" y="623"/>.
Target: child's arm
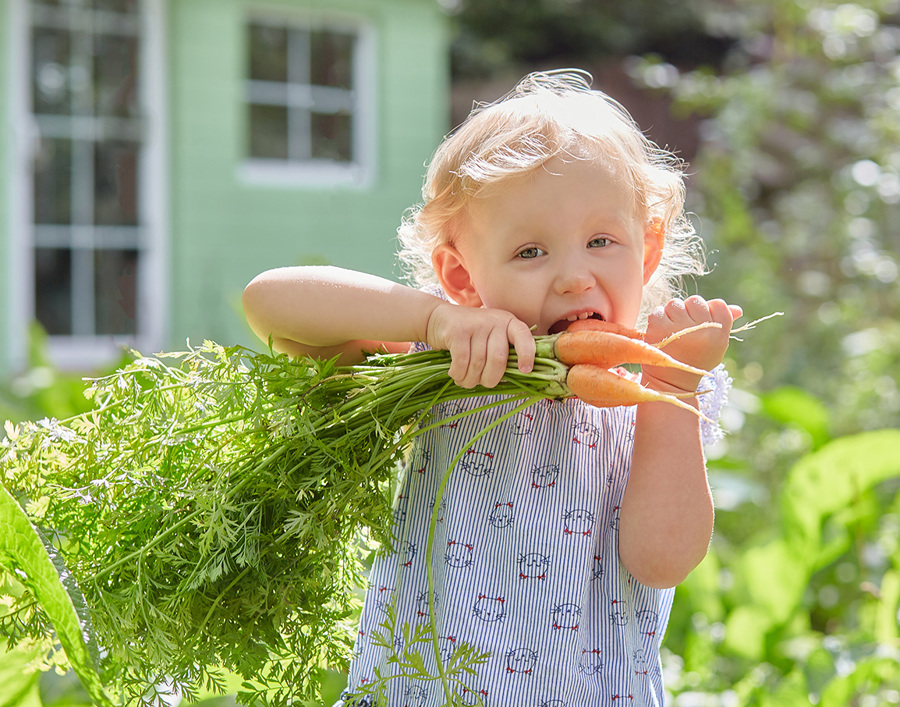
<point x="666" y="518"/>
<point x="326" y="312"/>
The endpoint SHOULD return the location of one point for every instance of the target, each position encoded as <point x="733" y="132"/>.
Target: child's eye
<point x="530" y="253"/>
<point x="598" y="242"/>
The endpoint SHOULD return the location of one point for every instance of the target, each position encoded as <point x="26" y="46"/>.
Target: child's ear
<point x="654" y="240"/>
<point x="454" y="276"/>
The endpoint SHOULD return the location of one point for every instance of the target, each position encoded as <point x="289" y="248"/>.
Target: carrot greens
<point x="215" y="508"/>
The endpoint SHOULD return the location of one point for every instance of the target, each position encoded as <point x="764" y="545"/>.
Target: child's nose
<point x="574" y="277"/>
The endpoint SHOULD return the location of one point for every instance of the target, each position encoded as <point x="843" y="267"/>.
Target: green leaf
<point x="745" y="632"/>
<point x="833" y="478"/>
<point x="795" y="406"/>
<point x="773" y="575"/>
<point x="791" y="691"/>
<point x="870" y="677"/>
<point x="16" y="680"/>
<point x="774" y="581"/>
<point x="886" y="629"/>
<point x="702" y="588"/>
<point x="22" y="550"/>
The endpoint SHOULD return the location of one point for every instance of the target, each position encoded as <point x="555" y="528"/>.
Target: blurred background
<point x="158" y="154"/>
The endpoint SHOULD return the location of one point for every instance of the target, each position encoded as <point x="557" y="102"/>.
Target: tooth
<point x="572" y="318"/>
<point x="584" y="315"/>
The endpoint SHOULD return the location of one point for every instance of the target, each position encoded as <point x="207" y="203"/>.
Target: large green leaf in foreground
<point x="22" y="549"/>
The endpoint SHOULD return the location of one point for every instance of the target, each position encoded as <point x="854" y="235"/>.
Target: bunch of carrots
<point x="593" y="349"/>
<point x="208" y="509"/>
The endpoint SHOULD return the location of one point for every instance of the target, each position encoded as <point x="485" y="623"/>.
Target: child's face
<point x="564" y="242"/>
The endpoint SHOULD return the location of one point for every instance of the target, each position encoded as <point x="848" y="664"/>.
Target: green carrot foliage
<point x="214" y="507"/>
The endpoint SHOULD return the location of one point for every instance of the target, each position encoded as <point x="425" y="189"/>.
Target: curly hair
<point x="547" y="115"/>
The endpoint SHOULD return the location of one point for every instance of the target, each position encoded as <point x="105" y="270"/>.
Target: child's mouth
<point x="563" y="324"/>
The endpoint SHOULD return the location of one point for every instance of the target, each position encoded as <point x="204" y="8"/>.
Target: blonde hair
<point x="551" y="114"/>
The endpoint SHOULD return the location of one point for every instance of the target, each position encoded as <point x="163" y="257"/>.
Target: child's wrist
<point x="668" y="381"/>
<point x="430" y="335"/>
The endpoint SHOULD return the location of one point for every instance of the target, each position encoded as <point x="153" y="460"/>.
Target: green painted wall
<point x="223" y="231"/>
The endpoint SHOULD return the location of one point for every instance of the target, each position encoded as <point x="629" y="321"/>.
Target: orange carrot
<point x="600" y="325"/>
<point x="600" y="387"/>
<point x="607" y="349"/>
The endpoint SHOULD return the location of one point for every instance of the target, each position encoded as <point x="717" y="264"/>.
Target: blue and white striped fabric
<point x="525" y="561"/>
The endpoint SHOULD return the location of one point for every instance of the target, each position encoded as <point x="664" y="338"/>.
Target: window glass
<point x="301" y="93"/>
<point x="115" y="291"/>
<point x="53" y="181"/>
<point x="51" y="84"/>
<point x="269" y="132"/>
<point x="331" y="59"/>
<point x="268" y="53"/>
<point x="115" y="76"/>
<point x="87" y="192"/>
<point x="332" y="137"/>
<point x="115" y="184"/>
<point x="53" y="289"/>
<point x="120" y="6"/>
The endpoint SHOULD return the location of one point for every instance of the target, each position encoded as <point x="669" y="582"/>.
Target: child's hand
<point x="478" y="340"/>
<point x="704" y="348"/>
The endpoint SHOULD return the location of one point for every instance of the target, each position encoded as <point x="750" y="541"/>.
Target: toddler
<point x="561" y="532"/>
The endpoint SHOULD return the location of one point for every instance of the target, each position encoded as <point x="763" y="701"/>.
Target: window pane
<point x="51" y="78"/>
<point x="269" y="132"/>
<point x="115" y="291"/>
<point x="121" y="6"/>
<point x="53" y="289"/>
<point x="332" y="59"/>
<point x="332" y="137"/>
<point x="115" y="184"/>
<point x="268" y="53"/>
<point x="115" y="76"/>
<point x="53" y="181"/>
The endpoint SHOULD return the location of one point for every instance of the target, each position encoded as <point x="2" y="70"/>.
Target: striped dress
<point x="525" y="563"/>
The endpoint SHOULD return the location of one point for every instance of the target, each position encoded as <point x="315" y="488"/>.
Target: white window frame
<point x="89" y="352"/>
<point x="321" y="174"/>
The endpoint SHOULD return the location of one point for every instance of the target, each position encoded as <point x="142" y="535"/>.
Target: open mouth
<point x="563" y="324"/>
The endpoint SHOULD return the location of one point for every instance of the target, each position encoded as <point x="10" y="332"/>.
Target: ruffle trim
<point x="715" y="387"/>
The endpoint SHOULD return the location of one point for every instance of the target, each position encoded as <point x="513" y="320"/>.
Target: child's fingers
<point x="697" y="309"/>
<point x="472" y="362"/>
<point x="679" y="314"/>
<point x="522" y="341"/>
<point x="459" y="362"/>
<point x="724" y="313"/>
<point x="479" y="344"/>
<point x="704" y="348"/>
<point x="496" y="357"/>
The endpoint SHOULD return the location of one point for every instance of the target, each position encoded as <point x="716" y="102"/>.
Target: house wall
<point x="223" y="230"/>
